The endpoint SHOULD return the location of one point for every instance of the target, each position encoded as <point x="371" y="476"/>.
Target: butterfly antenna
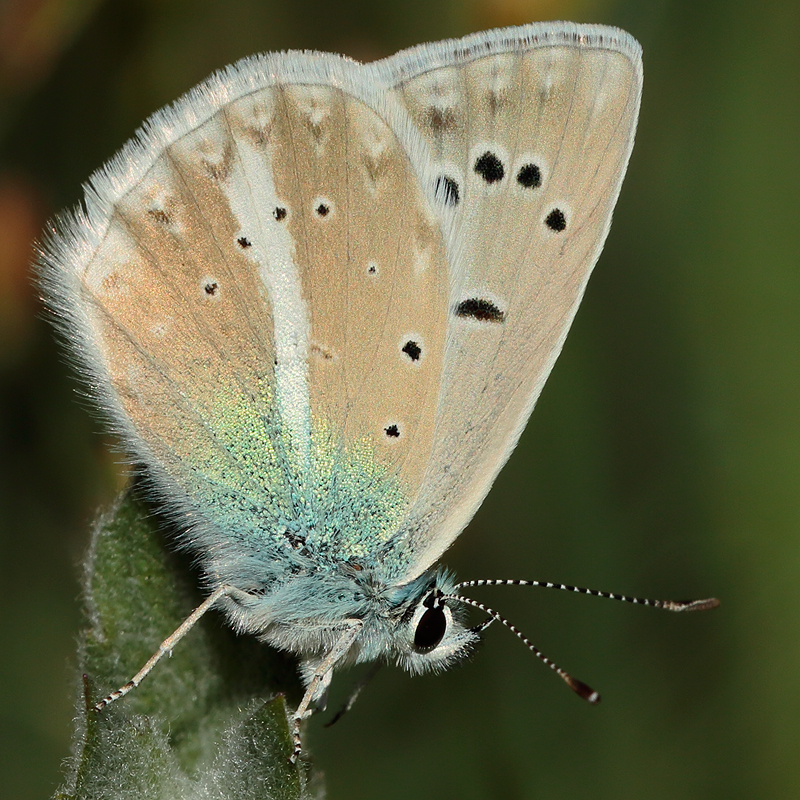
<point x="579" y="687"/>
<point x="668" y="605"/>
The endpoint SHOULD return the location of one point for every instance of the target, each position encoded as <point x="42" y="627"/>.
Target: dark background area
<point x="663" y="458"/>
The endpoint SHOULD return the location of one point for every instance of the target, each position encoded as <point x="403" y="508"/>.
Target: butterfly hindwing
<point x="529" y="133"/>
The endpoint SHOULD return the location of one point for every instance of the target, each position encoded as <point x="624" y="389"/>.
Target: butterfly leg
<point x="320" y="679"/>
<point x="354" y="694"/>
<point x="168" y="644"/>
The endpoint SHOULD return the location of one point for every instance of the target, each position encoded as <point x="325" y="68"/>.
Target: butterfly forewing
<point x="269" y="304"/>
<point x="373" y="279"/>
<point x="165" y="290"/>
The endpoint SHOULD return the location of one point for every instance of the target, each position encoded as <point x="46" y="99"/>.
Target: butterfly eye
<point x="430" y="629"/>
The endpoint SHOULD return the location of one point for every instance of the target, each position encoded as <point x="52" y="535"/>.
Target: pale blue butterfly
<point x="319" y="300"/>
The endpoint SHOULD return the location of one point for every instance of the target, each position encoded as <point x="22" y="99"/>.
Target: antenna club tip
<point x="695" y="605"/>
<point x="582" y="690"/>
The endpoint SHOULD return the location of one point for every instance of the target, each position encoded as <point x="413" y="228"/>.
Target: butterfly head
<point x="432" y="635"/>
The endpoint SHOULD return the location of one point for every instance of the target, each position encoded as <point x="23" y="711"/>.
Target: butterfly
<point x="319" y="299"/>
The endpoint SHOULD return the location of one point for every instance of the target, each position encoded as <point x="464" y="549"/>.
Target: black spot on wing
<point x="412" y="350"/>
<point x="446" y="191"/>
<point x="480" y="309"/>
<point x="556" y="220"/>
<point x="490" y="167"/>
<point x="529" y="176"/>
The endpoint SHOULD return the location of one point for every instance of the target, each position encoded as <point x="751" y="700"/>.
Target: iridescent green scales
<point x="344" y="498"/>
<point x="359" y="504"/>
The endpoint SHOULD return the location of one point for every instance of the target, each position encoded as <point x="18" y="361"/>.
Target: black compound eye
<point x="430" y="629"/>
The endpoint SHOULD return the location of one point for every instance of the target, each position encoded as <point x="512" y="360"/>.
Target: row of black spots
<point x="480" y="309"/>
<point x="280" y="213"/>
<point x="491" y="169"/>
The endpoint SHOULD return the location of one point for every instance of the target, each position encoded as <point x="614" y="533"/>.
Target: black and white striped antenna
<point x="579" y="687"/>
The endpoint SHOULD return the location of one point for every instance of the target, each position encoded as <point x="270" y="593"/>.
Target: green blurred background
<point x="663" y="458"/>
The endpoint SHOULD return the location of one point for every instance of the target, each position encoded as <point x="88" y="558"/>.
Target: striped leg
<point x="167" y="645"/>
<point x="320" y="679"/>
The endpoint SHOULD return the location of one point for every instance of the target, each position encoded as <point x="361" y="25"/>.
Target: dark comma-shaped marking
<point x="446" y="191"/>
<point x="481" y="310"/>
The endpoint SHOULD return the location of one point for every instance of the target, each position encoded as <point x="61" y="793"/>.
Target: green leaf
<point x="208" y="722"/>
